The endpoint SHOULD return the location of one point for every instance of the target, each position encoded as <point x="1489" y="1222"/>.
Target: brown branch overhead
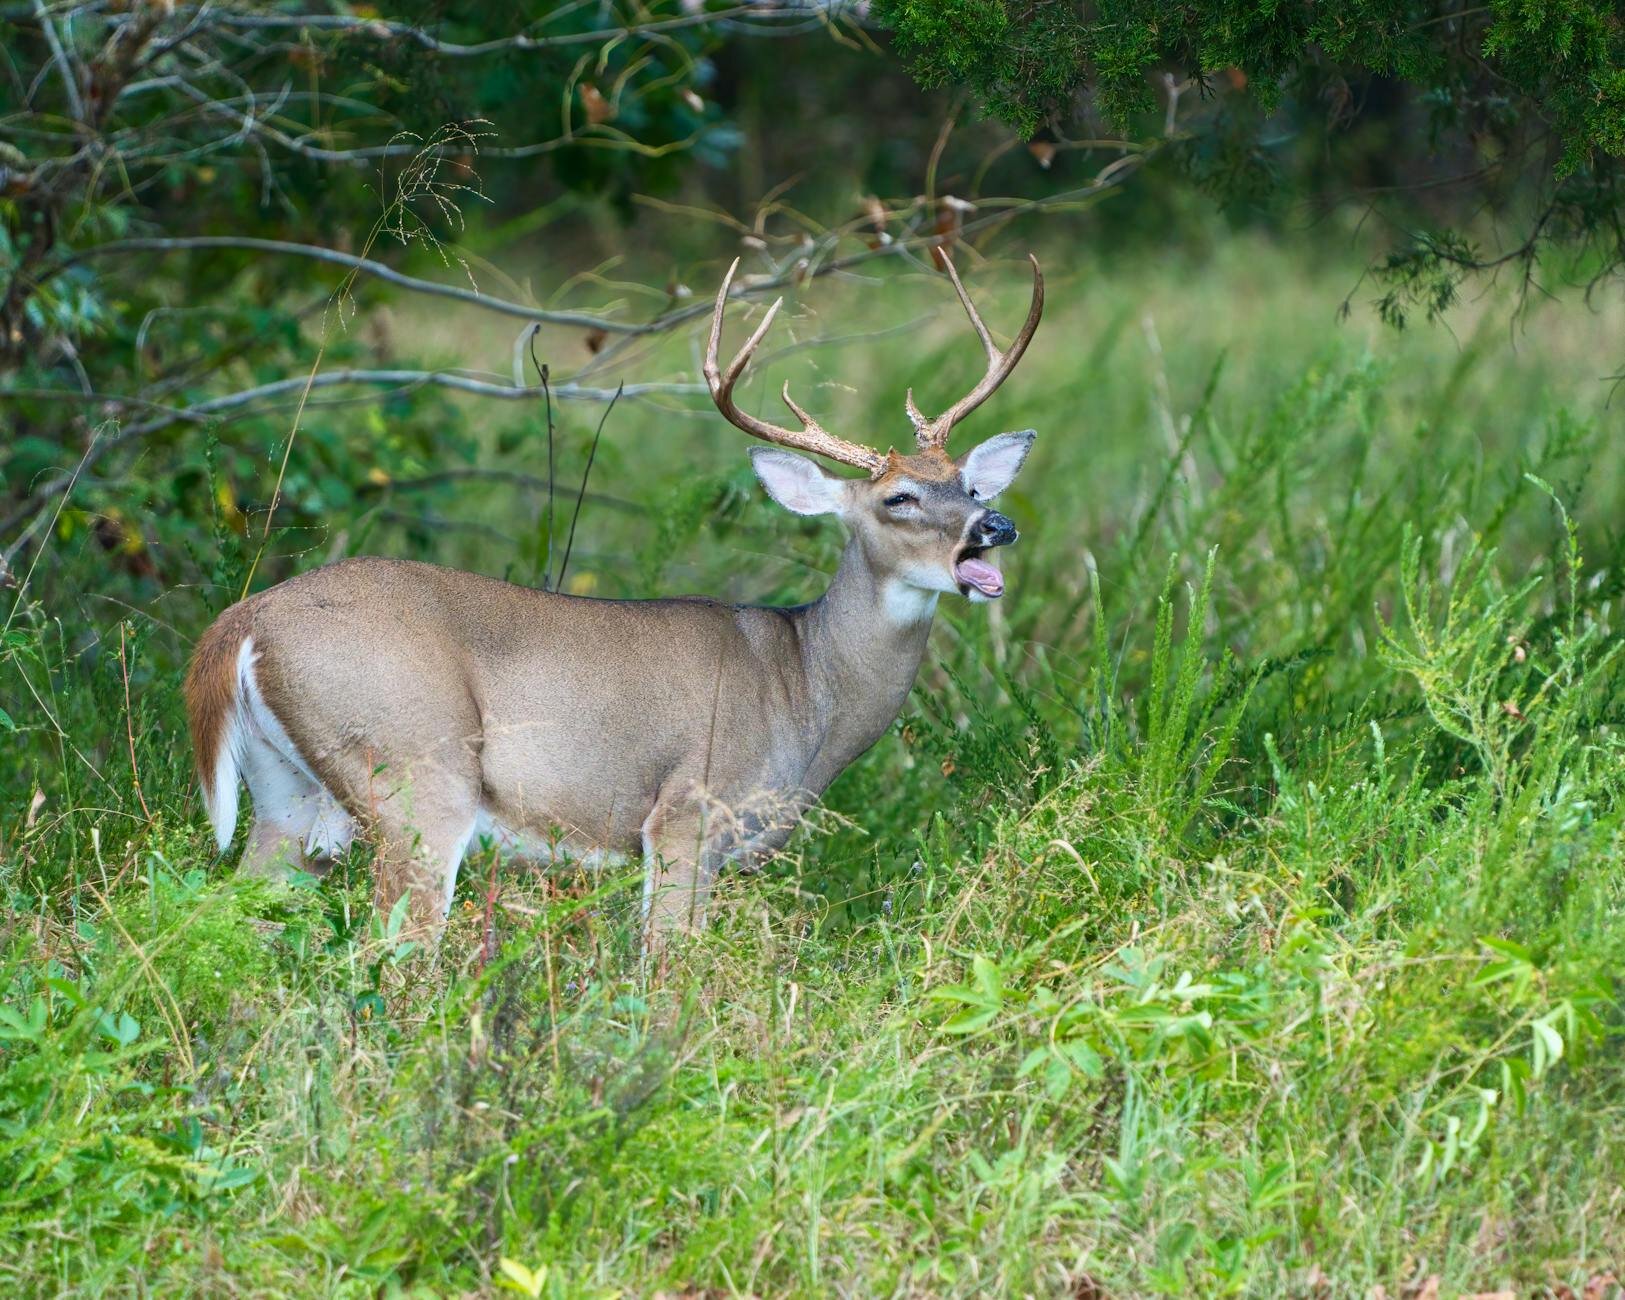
<point x="382" y="28"/>
<point x="795" y="274"/>
<point x="812" y="436"/>
<point x="504" y="306"/>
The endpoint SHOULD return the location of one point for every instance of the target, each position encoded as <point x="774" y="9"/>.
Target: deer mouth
<point x="977" y="569"/>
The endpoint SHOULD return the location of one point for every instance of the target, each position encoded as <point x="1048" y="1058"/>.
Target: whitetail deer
<point x="434" y="710"/>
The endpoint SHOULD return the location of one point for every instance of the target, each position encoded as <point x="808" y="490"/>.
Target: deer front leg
<point x="422" y="831"/>
<point x="680" y="866"/>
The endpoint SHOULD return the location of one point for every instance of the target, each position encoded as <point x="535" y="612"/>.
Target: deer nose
<point x="994" y="529"/>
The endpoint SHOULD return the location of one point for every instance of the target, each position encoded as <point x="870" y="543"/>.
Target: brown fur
<point x="928" y="465"/>
<point x="211" y="684"/>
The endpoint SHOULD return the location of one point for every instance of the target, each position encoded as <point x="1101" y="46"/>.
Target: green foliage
<point x="1560" y="61"/>
<point x="1438" y="109"/>
<point x="211" y="926"/>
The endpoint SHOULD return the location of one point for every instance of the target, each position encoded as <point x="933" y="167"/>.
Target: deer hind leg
<point x="298" y="824"/>
<point x="287" y="803"/>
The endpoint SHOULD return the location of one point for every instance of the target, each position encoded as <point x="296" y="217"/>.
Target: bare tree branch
<point x="504" y="306"/>
<point x="59" y="56"/>
<point x="414" y="379"/>
<point x="380" y="28"/>
<point x="38" y="497"/>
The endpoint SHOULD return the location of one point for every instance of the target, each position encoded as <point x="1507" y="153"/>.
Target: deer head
<point x="924" y="520"/>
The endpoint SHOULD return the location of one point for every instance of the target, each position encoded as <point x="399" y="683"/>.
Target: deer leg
<point x="418" y="859"/>
<point x="286" y="802"/>
<point x="274" y="850"/>
<point x="679" y="870"/>
<point x="422" y="817"/>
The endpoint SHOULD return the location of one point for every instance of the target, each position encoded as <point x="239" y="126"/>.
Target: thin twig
<point x="66" y="484"/>
<point x="552" y="477"/>
<point x="592" y="455"/>
<point x="582" y="320"/>
<point x="383" y="28"/>
<point x="59" y="56"/>
<point x="129" y="723"/>
<point x="31" y="503"/>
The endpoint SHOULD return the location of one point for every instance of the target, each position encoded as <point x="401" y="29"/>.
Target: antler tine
<point x="916" y="417"/>
<point x="970" y="307"/>
<point x="811" y="436"/>
<point x="934" y="433"/>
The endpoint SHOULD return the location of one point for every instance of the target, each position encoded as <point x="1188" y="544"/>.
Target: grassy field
<point x="1238" y="908"/>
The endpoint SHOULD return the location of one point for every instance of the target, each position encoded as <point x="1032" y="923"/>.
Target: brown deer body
<point x="433" y="709"/>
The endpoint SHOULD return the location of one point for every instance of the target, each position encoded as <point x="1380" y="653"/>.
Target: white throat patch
<point x="907" y="604"/>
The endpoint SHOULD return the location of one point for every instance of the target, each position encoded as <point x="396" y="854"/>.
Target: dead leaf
<point x="1491" y="1295"/>
<point x="595" y="340"/>
<point x="875" y="211"/>
<point x="598" y="109"/>
<point x="950" y="219"/>
<point x="1603" y="1286"/>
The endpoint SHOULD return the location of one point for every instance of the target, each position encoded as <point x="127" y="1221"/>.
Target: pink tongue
<point x="981" y="575"/>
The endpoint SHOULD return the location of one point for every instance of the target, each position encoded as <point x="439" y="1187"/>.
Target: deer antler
<point x="811" y="436"/>
<point x="934" y="433"/>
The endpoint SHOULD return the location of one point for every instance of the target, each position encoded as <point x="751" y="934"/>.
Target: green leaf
<point x="516" y="1277"/>
<point x="1084" y="1057"/>
<point x="988" y="978"/>
<point x="970" y="1020"/>
<point x="12" y="1025"/>
<point x="1548" y="1045"/>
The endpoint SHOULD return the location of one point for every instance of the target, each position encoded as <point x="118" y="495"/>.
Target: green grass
<point x="1237" y="910"/>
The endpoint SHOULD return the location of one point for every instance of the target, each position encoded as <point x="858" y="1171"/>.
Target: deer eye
<point x="902" y="499"/>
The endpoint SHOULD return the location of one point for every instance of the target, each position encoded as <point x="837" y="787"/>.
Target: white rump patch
<point x="256" y="748"/>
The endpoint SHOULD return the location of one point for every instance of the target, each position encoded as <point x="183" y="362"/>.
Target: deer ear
<point x="798" y="484"/>
<point x="990" y="467"/>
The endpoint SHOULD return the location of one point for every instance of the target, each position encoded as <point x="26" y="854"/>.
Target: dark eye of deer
<point x="902" y="499"/>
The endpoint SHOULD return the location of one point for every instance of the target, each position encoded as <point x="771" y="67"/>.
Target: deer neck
<point x="861" y="645"/>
